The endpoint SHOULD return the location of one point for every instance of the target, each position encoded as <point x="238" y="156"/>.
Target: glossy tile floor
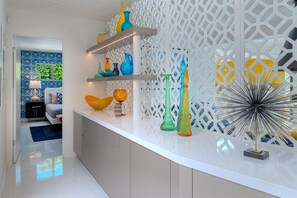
<point x="42" y="172"/>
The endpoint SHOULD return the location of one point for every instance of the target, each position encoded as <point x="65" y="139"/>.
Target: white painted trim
<point x="3" y="182"/>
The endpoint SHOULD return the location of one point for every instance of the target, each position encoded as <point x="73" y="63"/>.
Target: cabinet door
<point x="107" y="156"/>
<point x="150" y="174"/>
<point x="205" y="185"/>
<point x="77" y="134"/>
<point x="181" y="181"/>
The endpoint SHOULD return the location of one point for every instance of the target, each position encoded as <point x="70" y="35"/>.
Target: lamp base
<point x="35" y="99"/>
<point x="256" y="154"/>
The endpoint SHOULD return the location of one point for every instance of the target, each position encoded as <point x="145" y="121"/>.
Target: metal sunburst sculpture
<point x="257" y="106"/>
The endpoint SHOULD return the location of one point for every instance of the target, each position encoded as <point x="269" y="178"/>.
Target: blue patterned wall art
<point x="29" y="60"/>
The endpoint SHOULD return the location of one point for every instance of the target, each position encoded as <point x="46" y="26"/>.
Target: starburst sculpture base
<point x="256" y="154"/>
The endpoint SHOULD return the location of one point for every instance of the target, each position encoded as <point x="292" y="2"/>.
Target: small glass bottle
<point x="115" y="71"/>
<point x="107" y="64"/>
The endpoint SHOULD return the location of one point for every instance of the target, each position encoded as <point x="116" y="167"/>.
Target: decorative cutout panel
<point x="208" y="34"/>
<point x="270" y="35"/>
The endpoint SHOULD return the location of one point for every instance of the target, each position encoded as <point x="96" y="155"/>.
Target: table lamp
<point x="35" y="84"/>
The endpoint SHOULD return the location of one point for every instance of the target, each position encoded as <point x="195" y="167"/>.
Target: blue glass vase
<point x="115" y="71"/>
<point x="127" y="65"/>
<point x="127" y="24"/>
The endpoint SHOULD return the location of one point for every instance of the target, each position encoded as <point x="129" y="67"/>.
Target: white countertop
<point x="209" y="152"/>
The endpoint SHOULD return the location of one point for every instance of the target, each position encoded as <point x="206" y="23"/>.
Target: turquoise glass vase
<point x="167" y="124"/>
<point x="182" y="73"/>
<point x="127" y="24"/>
<point x="127" y="65"/>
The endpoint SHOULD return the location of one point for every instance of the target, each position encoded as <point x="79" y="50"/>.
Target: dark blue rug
<point x="43" y="133"/>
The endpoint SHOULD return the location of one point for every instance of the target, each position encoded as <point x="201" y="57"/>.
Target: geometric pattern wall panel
<point x="29" y="60"/>
<point x="270" y="35"/>
<point x="201" y="31"/>
<point x="218" y="41"/>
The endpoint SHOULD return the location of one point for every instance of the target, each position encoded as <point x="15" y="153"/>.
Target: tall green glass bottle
<point x="168" y="124"/>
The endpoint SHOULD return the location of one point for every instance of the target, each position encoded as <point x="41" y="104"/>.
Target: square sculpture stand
<point x="256" y="154"/>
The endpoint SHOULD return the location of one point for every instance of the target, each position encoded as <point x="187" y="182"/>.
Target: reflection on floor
<point x="42" y="172"/>
<point x="50" y="167"/>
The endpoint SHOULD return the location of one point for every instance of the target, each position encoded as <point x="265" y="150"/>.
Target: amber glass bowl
<point x="120" y="95"/>
<point x="98" y="103"/>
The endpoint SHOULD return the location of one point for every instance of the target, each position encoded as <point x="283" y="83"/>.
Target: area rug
<point x="43" y="133"/>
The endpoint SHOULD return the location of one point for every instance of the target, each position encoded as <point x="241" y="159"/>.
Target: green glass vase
<point x="167" y="124"/>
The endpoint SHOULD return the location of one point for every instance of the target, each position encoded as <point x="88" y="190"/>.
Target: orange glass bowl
<point x="98" y="103"/>
<point x="120" y="95"/>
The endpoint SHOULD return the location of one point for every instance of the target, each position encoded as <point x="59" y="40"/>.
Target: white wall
<point x="2" y="113"/>
<point x="77" y="34"/>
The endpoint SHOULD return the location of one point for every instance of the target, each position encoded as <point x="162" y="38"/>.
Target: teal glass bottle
<point x="168" y="124"/>
<point x="115" y="71"/>
<point x="182" y="72"/>
<point x="98" y="75"/>
<point x="127" y="24"/>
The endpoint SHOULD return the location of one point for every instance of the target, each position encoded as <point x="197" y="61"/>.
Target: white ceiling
<point x="42" y="44"/>
<point x="92" y="9"/>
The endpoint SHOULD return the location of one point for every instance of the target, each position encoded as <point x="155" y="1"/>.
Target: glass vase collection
<point x="124" y="20"/>
<point x="126" y="67"/>
<point x="184" y="120"/>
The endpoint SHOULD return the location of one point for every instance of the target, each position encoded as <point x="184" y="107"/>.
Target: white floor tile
<point x="42" y="172"/>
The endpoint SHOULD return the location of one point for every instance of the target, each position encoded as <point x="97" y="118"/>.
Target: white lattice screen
<point x="217" y="38"/>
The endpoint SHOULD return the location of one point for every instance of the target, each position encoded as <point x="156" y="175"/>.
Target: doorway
<point x="38" y="94"/>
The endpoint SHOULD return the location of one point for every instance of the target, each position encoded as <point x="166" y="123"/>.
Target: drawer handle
<point x="36" y="107"/>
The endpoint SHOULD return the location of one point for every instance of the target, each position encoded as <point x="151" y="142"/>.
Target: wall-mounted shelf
<point x="121" y="39"/>
<point x="130" y="77"/>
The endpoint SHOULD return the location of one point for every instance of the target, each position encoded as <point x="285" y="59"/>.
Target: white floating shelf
<point x="121" y="39"/>
<point x="130" y="77"/>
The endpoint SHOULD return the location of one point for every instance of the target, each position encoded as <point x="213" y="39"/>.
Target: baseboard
<point x="3" y="184"/>
<point x="70" y="154"/>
